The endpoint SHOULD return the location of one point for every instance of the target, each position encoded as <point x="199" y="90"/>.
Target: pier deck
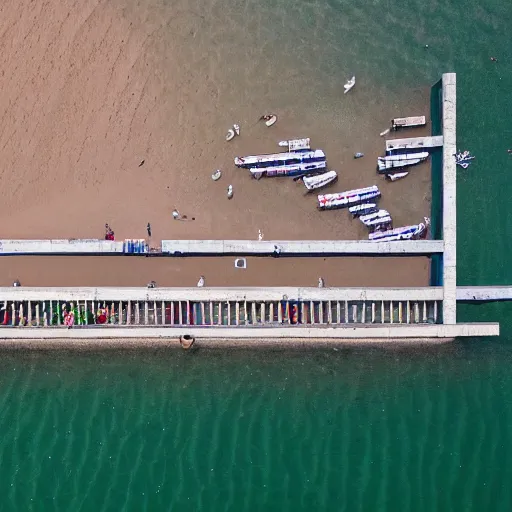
<point x="484" y="293"/>
<point x="414" y="143"/>
<point x="297" y="248"/>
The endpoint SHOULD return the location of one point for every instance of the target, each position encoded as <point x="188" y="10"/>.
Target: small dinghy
<point x="230" y="192"/>
<point x="230" y="135"/>
<point x="320" y="180"/>
<point x="363" y="209"/>
<point x="216" y="175"/>
<point x="270" y="119"/>
<point x="283" y="143"/>
<point x="359" y="155"/>
<point x="349" y="85"/>
<point x="385" y="132"/>
<point x="236" y="128"/>
<point x="396" y="176"/>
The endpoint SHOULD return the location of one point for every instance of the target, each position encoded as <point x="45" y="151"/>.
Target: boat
<point x="269" y="119"/>
<point x="402" y="233"/>
<point x="396" y="176"/>
<point x="296" y="144"/>
<point x="349" y="85"/>
<point x="285" y="158"/>
<point x="372" y="216"/>
<point x="385" y="132"/>
<point x="320" y="180"/>
<point x="407" y="122"/>
<point x="348" y="198"/>
<point x="377" y="220"/>
<point x="216" y="175"/>
<point x="384" y="163"/>
<point x="463" y="159"/>
<point x="230" y="135"/>
<point x="230" y="192"/>
<point x="297" y="170"/>
<point x="363" y="209"/>
<point x="359" y="155"/>
<point x="236" y="128"/>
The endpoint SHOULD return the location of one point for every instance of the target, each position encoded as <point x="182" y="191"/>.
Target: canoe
<point x="396" y="176"/>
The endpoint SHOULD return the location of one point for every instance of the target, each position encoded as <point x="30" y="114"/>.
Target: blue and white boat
<point x="402" y="233"/>
<point x="348" y="198"/>
<point x="280" y="159"/>
<point x="302" y="169"/>
<point x="363" y="209"/>
<point x="390" y="162"/>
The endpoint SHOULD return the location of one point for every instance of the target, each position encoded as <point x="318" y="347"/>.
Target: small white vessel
<point x="230" y="135"/>
<point x="200" y="283"/>
<point x="320" y="180"/>
<point x="396" y="176"/>
<point x="236" y="128"/>
<point x="349" y="85"/>
<point x="230" y="191"/>
<point x="272" y="118"/>
<point x="385" y="132"/>
<point x="216" y="175"/>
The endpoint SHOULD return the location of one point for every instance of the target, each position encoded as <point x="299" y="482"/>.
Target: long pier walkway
<point x="415" y="143"/>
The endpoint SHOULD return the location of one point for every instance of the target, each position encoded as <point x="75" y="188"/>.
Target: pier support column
<point x="449" y="198"/>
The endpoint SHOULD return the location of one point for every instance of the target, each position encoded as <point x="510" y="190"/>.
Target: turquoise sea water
<point x="424" y="429"/>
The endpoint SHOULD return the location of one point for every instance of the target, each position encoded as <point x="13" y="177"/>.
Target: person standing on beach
<point x="148" y="227"/>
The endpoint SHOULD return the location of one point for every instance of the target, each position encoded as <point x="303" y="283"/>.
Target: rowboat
<point x="271" y="120"/>
<point x="286" y="158"/>
<point x="365" y="219"/>
<point x="216" y="175"/>
<point x="320" y="180"/>
<point x="349" y="85"/>
<point x="359" y="155"/>
<point x="348" y="198"/>
<point x="302" y="169"/>
<point x="230" y="135"/>
<point x="396" y="176"/>
<point x="363" y="209"/>
<point x="296" y="144"/>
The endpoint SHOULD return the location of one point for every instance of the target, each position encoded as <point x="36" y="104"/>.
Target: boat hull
<point x="280" y="159"/>
<point x="346" y="199"/>
<point x="289" y="170"/>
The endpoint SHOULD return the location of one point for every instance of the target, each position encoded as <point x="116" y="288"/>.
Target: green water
<point x="353" y="429"/>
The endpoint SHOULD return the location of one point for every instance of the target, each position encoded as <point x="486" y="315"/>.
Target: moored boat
<point x="384" y="163"/>
<point x="320" y="180"/>
<point x="413" y="232"/>
<point x="289" y="170"/>
<point x="407" y="122"/>
<point x="275" y="159"/>
<point x="378" y="221"/>
<point x="348" y="198"/>
<point x="396" y="176"/>
<point x="350" y="83"/>
<point x="359" y="155"/>
<point x="372" y="216"/>
<point x="363" y="209"/>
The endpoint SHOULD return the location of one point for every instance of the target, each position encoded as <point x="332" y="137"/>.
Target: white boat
<point x="349" y="85"/>
<point x="320" y="180"/>
<point x="236" y="128"/>
<point x="286" y="158"/>
<point x="216" y="175"/>
<point x="396" y="176"/>
<point x="230" y="192"/>
<point x="296" y="144"/>
<point x="363" y="209"/>
<point x="384" y="163"/>
<point x="230" y="135"/>
<point x="402" y="233"/>
<point x="348" y="198"/>
<point x="385" y="132"/>
<point x="379" y="224"/>
<point x="288" y="170"/>
<point x="407" y="122"/>
<point x="372" y="216"/>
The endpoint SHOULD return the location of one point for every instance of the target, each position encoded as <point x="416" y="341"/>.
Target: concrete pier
<point x="414" y="143"/>
<point x="300" y="247"/>
<point x="449" y="103"/>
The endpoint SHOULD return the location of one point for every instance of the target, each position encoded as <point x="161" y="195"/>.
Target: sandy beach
<point x="90" y="90"/>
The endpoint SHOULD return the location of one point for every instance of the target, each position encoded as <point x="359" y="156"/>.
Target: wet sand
<point x="268" y="271"/>
<point x="90" y="89"/>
